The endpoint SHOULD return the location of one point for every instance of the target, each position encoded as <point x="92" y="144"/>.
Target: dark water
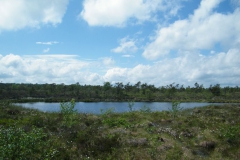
<point x="96" y="107"/>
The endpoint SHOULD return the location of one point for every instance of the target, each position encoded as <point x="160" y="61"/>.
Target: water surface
<point x="96" y="107"/>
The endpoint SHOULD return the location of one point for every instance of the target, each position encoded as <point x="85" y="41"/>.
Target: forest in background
<point x="117" y="92"/>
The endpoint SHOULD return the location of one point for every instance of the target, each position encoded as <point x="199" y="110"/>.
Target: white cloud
<point x="222" y="68"/>
<point x="212" y="52"/>
<point x="118" y="12"/>
<point x="108" y="61"/>
<point x="17" y="14"/>
<point x="202" y="30"/>
<point x="46" y="50"/>
<point x="126" y="46"/>
<point x="127" y="55"/>
<point x="188" y="68"/>
<point x="48" y="43"/>
<point x="117" y="75"/>
<point x="42" y="68"/>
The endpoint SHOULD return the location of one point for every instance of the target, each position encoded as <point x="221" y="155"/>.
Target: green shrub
<point x="175" y="109"/>
<point x="116" y="122"/>
<point x="130" y="106"/>
<point x="145" y="109"/>
<point x="109" y="119"/>
<point x="106" y="112"/>
<point x="7" y="122"/>
<point x="69" y="113"/>
<point x="15" y="143"/>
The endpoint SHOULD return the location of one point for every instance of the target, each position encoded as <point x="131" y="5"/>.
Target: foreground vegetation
<point x="201" y="133"/>
<point x="118" y="92"/>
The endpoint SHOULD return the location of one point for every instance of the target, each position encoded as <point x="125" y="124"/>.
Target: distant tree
<point x="128" y="87"/>
<point x="198" y="88"/>
<point x="181" y="89"/>
<point x="215" y="90"/>
<point x="171" y="89"/>
<point x="143" y="88"/>
<point x="119" y="88"/>
<point x="106" y="86"/>
<point x="137" y="86"/>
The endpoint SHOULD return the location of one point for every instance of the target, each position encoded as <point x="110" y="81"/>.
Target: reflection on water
<point x="96" y="107"/>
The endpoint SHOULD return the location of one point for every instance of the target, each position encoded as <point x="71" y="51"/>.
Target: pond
<point x="119" y="107"/>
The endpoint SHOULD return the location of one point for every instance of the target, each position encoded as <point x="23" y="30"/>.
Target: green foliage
<point x="145" y="109"/>
<point x="111" y="122"/>
<point x="68" y="112"/>
<point x="130" y="135"/>
<point x="68" y="107"/>
<point x="215" y="90"/>
<point x="175" y="109"/>
<point x="7" y="122"/>
<point x="130" y="106"/>
<point x="5" y="103"/>
<point x="118" y="92"/>
<point x="15" y="143"/>
<point x="231" y="133"/>
<point x="106" y="112"/>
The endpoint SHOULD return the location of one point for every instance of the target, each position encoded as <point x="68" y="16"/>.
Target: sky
<point x="157" y="42"/>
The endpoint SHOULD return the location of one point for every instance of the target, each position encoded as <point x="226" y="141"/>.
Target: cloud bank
<point x="222" y="68"/>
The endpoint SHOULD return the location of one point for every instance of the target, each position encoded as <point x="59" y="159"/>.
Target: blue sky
<point x="93" y="41"/>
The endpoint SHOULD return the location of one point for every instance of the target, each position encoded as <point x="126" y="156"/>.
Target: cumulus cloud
<point x="17" y="14"/>
<point x="188" y="68"/>
<point x="126" y="46"/>
<point x="202" y="30"/>
<point x="222" y="68"/>
<point x="118" y="12"/>
<point x="42" y="68"/>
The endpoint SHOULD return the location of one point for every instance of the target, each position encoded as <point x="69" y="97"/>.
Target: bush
<point x="145" y="109"/>
<point x="175" y="108"/>
<point x="130" y="106"/>
<point x="68" y="112"/>
<point x="17" y="144"/>
<point x="116" y="122"/>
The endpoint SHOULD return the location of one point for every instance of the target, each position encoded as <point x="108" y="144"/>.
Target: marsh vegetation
<point x="210" y="132"/>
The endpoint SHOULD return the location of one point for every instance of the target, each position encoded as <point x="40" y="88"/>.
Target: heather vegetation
<point x="200" y="133"/>
<point x="118" y="92"/>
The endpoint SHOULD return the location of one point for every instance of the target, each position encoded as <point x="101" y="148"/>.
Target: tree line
<point x="117" y="92"/>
